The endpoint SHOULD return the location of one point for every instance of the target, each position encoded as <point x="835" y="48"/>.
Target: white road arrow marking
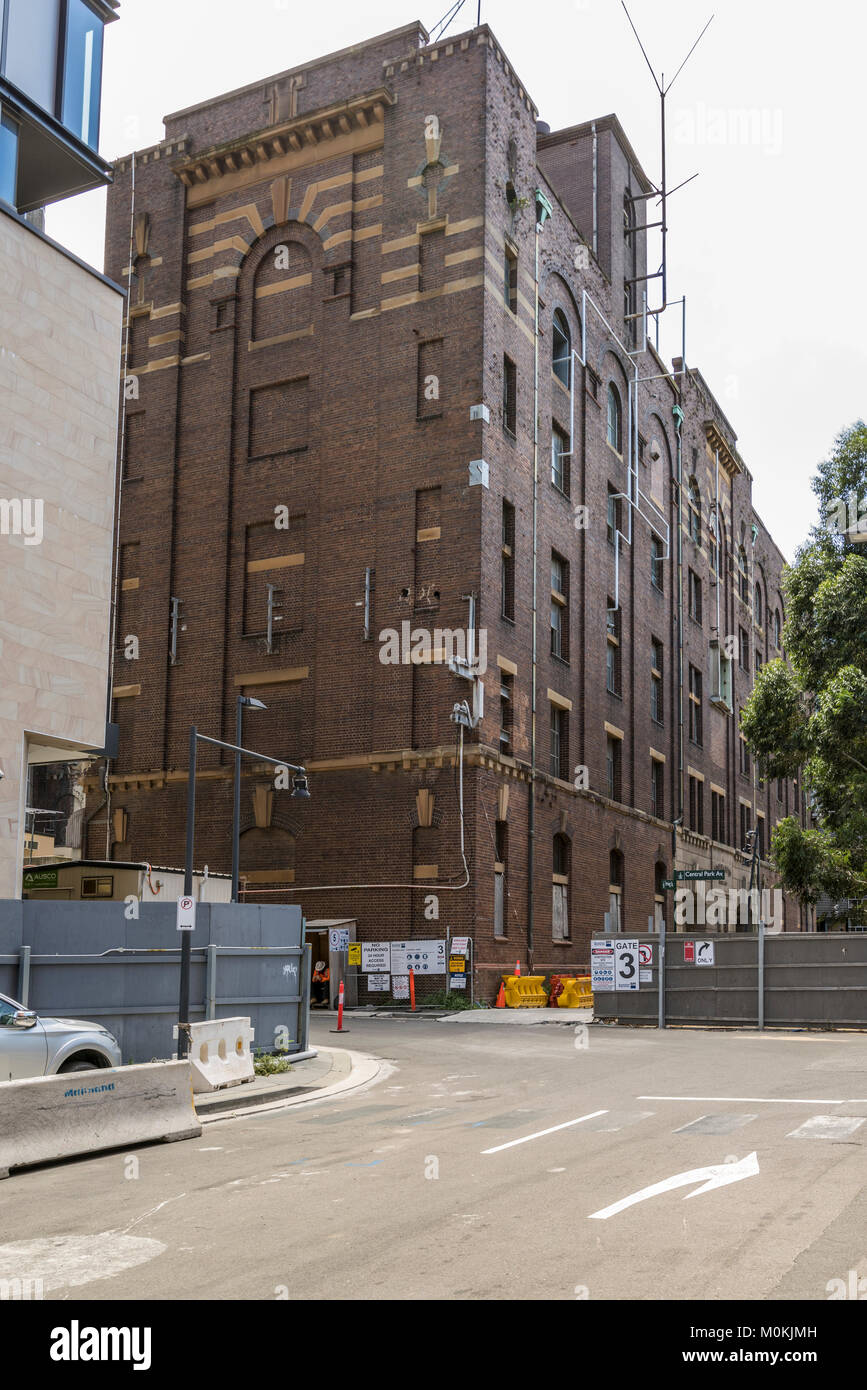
<point x="715" y="1175"/>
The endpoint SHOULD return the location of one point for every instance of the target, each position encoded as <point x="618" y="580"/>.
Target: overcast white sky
<point x="766" y="243"/>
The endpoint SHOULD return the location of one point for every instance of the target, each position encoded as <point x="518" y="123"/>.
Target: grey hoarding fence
<point x="85" y="960"/>
<point x="809" y="981"/>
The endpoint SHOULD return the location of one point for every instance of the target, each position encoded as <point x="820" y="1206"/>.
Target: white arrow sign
<point x="716" y="1175"/>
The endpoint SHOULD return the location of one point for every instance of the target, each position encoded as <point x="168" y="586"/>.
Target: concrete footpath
<point x="326" y="1072"/>
<point x="488" y="1016"/>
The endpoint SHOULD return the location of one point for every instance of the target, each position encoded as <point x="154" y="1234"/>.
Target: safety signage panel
<point x="601" y="966"/>
<point x="645" y="963"/>
<point x="704" y="953"/>
<point x="625" y="964"/>
<point x="400" y="986"/>
<point x="458" y="982"/>
<point x="422" y="957"/>
<point x="186" y="920"/>
<point x="354" y="953"/>
<point x="377" y="982"/>
<point x="457" y="965"/>
<point x="338" y="939"/>
<point x="376" y="956"/>
<point x="689" y="953"/>
<point x="460" y="945"/>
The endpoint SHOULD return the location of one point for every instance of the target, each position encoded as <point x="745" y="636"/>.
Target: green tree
<point x="812" y="712"/>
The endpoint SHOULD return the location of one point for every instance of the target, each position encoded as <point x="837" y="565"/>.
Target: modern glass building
<point x="50" y="86"/>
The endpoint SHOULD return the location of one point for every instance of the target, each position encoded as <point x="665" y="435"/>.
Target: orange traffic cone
<point x="517" y="967"/>
<point x="501" y="997"/>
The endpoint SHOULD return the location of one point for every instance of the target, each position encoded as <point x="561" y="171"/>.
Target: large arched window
<point x="758" y="612"/>
<point x="560" y="866"/>
<point x="282" y="291"/>
<point x="561" y="349"/>
<point x="694" y="497"/>
<point x="615" y="891"/>
<point x="615" y="419"/>
<point x="778" y="628"/>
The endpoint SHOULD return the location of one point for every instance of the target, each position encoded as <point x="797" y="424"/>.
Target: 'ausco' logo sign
<point x="77" y="1343"/>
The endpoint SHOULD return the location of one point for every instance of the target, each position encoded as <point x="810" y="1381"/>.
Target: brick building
<point x="337" y="335"/>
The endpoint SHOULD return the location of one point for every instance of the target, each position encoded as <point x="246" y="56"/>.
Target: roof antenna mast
<point x="662" y="192"/>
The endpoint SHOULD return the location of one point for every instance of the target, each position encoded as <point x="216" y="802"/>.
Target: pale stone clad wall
<point x="60" y="339"/>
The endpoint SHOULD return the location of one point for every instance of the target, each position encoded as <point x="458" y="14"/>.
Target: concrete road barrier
<point x="220" y="1053"/>
<point x="56" y="1117"/>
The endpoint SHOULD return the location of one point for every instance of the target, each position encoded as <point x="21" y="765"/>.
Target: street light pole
<point x="299" y="790"/>
<point x="186" y="944"/>
<point x="236" y="807"/>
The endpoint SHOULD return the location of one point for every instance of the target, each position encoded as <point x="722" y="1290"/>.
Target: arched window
<point x="694" y="511"/>
<point x="615" y="891"/>
<point x="743" y="576"/>
<point x="282" y="291"/>
<point x="561" y="349"/>
<point x="615" y="419"/>
<point x="778" y="627"/>
<point x="757" y="605"/>
<point x="561" y="864"/>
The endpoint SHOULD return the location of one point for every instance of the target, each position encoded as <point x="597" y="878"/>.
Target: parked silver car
<point x="34" y="1046"/>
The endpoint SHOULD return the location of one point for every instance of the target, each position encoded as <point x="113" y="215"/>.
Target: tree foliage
<point x="811" y="713"/>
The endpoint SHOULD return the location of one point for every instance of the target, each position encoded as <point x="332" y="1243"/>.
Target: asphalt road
<point x="440" y="1180"/>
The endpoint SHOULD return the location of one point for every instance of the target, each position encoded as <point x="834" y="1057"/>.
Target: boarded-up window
<point x="499" y="904"/>
<point x="432" y="252"/>
<point x="427" y="548"/>
<point x="274" y="557"/>
<point x="282" y="291"/>
<point x="133" y="441"/>
<point x="278" y="418"/>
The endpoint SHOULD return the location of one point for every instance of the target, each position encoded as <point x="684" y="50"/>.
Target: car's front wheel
<point x="78" y="1066"/>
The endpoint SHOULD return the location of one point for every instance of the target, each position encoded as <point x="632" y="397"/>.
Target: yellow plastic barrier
<point x="525" y="991"/>
<point x="576" y="993"/>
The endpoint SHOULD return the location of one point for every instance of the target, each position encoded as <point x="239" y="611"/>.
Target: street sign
<point x="422" y="957"/>
<point x="625" y="964"/>
<point x="704" y="953"/>
<point x="186" y="919"/>
<point x="698" y="875"/>
<point x="667" y="884"/>
<point x="338" y="939"/>
<point x="601" y="966"/>
<point x="645" y="963"/>
<point x="376" y="957"/>
<point x="377" y="983"/>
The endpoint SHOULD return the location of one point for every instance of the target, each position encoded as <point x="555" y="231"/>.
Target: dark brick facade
<point x="310" y="327"/>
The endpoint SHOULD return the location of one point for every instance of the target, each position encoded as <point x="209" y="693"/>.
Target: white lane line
<point x="541" y="1132"/>
<point x="754" y="1100"/>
